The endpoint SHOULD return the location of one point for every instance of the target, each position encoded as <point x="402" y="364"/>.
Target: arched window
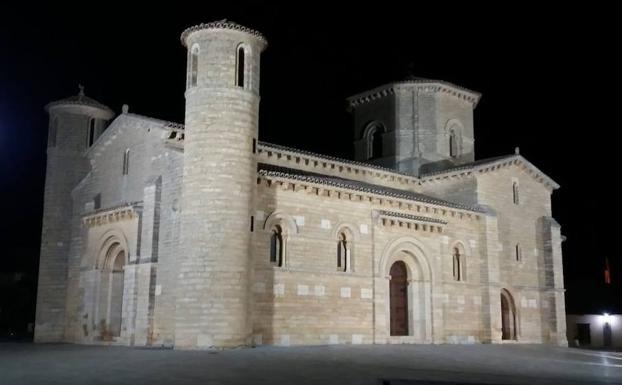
<point x="518" y="251"/>
<point x="91" y="132"/>
<point x="373" y="136"/>
<point x="194" y="65"/>
<point x="376" y="145"/>
<point x="343" y="252"/>
<point x="515" y="197"/>
<point x="126" y="162"/>
<point x="457" y="265"/>
<point x="276" y="246"/>
<point x="53" y="132"/>
<point x="239" y="79"/>
<point x="453" y="144"/>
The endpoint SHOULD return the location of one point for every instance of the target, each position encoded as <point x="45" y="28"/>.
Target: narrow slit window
<point x="126" y="162"/>
<point x="518" y="253"/>
<point x="254" y="145"/>
<point x="91" y="132"/>
<point x="194" y="66"/>
<point x="240" y="67"/>
<point x="456" y="264"/>
<point x="252" y="223"/>
<point x="515" y="196"/>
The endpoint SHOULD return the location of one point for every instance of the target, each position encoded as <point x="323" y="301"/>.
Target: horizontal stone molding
<point x="120" y="213"/>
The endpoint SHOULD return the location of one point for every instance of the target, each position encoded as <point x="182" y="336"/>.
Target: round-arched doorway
<point x="110" y="304"/>
<point x="398" y="297"/>
<point x="508" y="316"/>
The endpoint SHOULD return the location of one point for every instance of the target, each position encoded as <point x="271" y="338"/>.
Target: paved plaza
<point x="31" y="364"/>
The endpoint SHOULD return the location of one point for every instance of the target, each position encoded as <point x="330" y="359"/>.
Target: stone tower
<point x="75" y="123"/>
<point x="414" y="126"/>
<point x="222" y="107"/>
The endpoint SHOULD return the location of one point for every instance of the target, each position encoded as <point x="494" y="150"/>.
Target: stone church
<point x="199" y="236"/>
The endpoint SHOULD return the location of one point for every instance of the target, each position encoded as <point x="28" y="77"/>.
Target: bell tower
<point x="74" y="125"/>
<point x="222" y="109"/>
<point x="414" y="126"/>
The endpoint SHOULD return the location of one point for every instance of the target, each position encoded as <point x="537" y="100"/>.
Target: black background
<point x="549" y="80"/>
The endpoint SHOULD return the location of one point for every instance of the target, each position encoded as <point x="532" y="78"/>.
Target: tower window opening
<point x="91" y="133"/>
<point x="453" y="145"/>
<point x="515" y="197"/>
<point x="240" y="68"/>
<point x="376" y="145"/>
<point x="194" y="65"/>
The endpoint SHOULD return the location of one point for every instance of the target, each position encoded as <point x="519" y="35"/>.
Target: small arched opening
<point x="508" y="316"/>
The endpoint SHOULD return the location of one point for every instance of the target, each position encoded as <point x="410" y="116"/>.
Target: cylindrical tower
<point x="222" y="108"/>
<point x="75" y="124"/>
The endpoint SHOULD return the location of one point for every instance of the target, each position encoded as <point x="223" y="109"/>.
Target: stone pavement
<point x="31" y="364"/>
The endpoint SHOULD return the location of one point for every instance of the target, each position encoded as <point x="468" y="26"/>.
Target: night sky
<point x="548" y="81"/>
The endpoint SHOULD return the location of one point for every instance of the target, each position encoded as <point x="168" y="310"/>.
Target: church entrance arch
<point x="408" y="290"/>
<point x="398" y="298"/>
<point x="110" y="303"/>
<point x="508" y="316"/>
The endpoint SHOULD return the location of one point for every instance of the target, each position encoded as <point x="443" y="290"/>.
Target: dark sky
<point x="548" y="80"/>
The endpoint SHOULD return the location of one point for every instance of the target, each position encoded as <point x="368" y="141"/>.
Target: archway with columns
<point x="407" y="256"/>
<point x="111" y="262"/>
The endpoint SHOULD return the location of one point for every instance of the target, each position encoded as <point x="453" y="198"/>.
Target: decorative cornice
<point x="414" y="222"/>
<point x="416" y="218"/>
<point x="427" y="85"/>
<point x="100" y="217"/>
<point x="372" y="192"/>
<point x="221" y="24"/>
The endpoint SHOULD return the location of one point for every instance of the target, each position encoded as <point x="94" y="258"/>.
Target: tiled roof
<point x="433" y="84"/>
<point x="468" y="166"/>
<point x="501" y="160"/>
<point x="221" y="24"/>
<point x="331" y="158"/>
<point x="276" y="171"/>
